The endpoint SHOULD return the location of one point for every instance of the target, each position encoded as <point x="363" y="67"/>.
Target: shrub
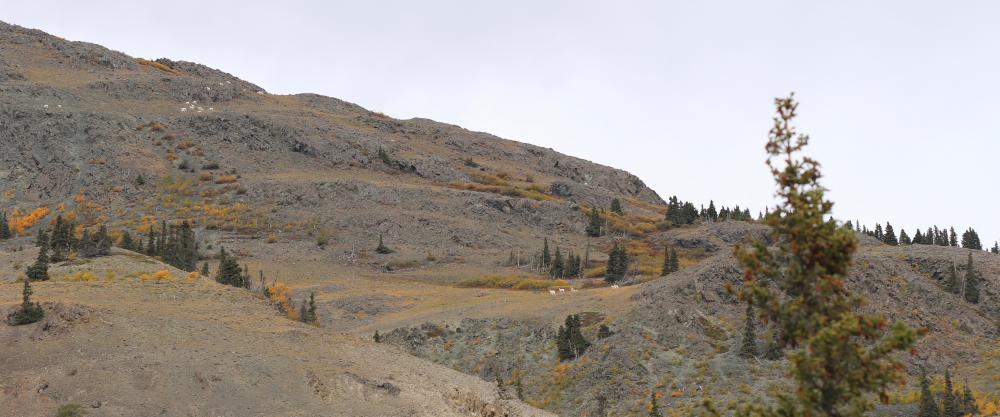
<point x="157" y="65"/>
<point x="210" y="165"/>
<point x="28" y="312"/>
<point x="18" y="223"/>
<point x="226" y="179"/>
<point x="205" y="177"/>
<point x="158" y="276"/>
<point x="513" y="282"/>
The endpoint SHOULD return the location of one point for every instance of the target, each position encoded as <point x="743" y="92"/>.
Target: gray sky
<point x="901" y="99"/>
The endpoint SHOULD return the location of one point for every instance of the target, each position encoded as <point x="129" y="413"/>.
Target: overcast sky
<point x="901" y="99"/>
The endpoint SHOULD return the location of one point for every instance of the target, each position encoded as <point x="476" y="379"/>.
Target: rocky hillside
<point x="683" y="331"/>
<point x="77" y="118"/>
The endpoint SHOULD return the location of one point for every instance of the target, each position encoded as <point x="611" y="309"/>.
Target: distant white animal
<point x="208" y="88"/>
<point x="572" y="289"/>
<point x="211" y="108"/>
<point x="45" y="106"/>
<point x="614" y="286"/>
<point x="553" y="292"/>
<point x="184" y="109"/>
<point x="59" y="105"/>
<point x="562" y="290"/>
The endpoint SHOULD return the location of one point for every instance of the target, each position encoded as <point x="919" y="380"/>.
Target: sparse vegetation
<point x="513" y="282"/>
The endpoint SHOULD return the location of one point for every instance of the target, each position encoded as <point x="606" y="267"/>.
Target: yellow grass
<point x="157" y="65"/>
<point x="513" y="282"/>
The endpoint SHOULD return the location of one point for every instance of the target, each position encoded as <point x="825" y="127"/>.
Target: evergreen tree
<point x="42" y="239"/>
<point x="889" y="236"/>
<point x="928" y="407"/>
<point x="376" y="337"/>
<point x="595" y="225"/>
<point x="952" y="237"/>
<point x="840" y="355"/>
<point x="970" y="240"/>
<point x="204" y="269"/>
<point x="654" y="410"/>
<point x="39" y="271"/>
<point x="878" y="231"/>
<point x="952" y="284"/>
<point x="563" y="350"/>
<point x="229" y="272"/>
<point x="904" y="239"/>
<point x="519" y="388"/>
<point x="713" y="214"/>
<point x="971" y="293"/>
<point x="996" y="248"/>
<point x="847" y="225"/>
<point x="950" y="406"/>
<point x="749" y="346"/>
<point x="546" y="256"/>
<point x="617" y="264"/>
<point x="616" y="207"/>
<point x="28" y="312"/>
<point x="381" y="248"/>
<point x="918" y="238"/>
<point x="557" y="268"/>
<point x="570" y="343"/>
<point x="674" y="262"/>
<point x="666" y="269"/>
<point x="4" y="227"/>
<point x="126" y="242"/>
<point x="603" y="332"/>
<point x="968" y="401"/>
<point x="311" y="313"/>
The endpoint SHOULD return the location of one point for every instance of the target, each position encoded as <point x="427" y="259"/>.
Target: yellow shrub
<point x="192" y="276"/>
<point x="82" y="276"/>
<point x="161" y="275"/>
<point x="18" y="223"/>
<point x="280" y="296"/>
<point x="157" y="65"/>
<point x="226" y="179"/>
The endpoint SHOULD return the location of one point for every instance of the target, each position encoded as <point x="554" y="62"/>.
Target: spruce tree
<point x="971" y="293"/>
<point x="950" y="405"/>
<point x="204" y="269"/>
<point x="918" y="237"/>
<point x="968" y="401"/>
<point x="28" y="312"/>
<point x="996" y="248"/>
<point x="970" y="240"/>
<point x="229" y="272"/>
<point x="674" y="262"/>
<point x="557" y="268"/>
<point x="889" y="236"/>
<point x="952" y="284"/>
<point x="42" y="239"/>
<point x="381" y="248"/>
<point x="952" y="237"/>
<point x="928" y="407"/>
<point x="840" y="356"/>
<point x="878" y="232"/>
<point x="595" y="225"/>
<point x="546" y="256"/>
<point x="39" y="271"/>
<point x="666" y="270"/>
<point x="713" y="214"/>
<point x="904" y="239"/>
<point x="616" y="207"/>
<point x="749" y="347"/>
<point x="377" y="337"/>
<point x="4" y="227"/>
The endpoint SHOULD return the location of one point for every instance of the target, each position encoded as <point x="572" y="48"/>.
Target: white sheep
<point x="571" y="289"/>
<point x="183" y="109"/>
<point x="45" y="106"/>
<point x="553" y="292"/>
<point x="562" y="290"/>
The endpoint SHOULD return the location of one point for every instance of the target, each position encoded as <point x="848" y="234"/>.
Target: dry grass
<point x="513" y="282"/>
<point x="226" y="179"/>
<point x="158" y="66"/>
<point x="153" y="126"/>
<point x="507" y="190"/>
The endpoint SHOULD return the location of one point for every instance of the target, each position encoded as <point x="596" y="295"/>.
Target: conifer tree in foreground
<point x="971" y="287"/>
<point x="28" y="312"/>
<point x="749" y="347"/>
<point x="996" y="248"/>
<point x="952" y="237"/>
<point x="968" y="402"/>
<point x="970" y="240"/>
<point x="838" y="357"/>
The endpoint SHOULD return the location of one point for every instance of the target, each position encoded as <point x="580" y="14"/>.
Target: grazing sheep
<point x="553" y="292"/>
<point x="562" y="290"/>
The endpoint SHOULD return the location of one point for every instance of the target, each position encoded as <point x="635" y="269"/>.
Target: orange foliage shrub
<point x="19" y="223"/>
<point x="192" y="276"/>
<point x="184" y="144"/>
<point x="157" y="65"/>
<point x="226" y="179"/>
<point x="161" y="275"/>
<point x="279" y="295"/>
